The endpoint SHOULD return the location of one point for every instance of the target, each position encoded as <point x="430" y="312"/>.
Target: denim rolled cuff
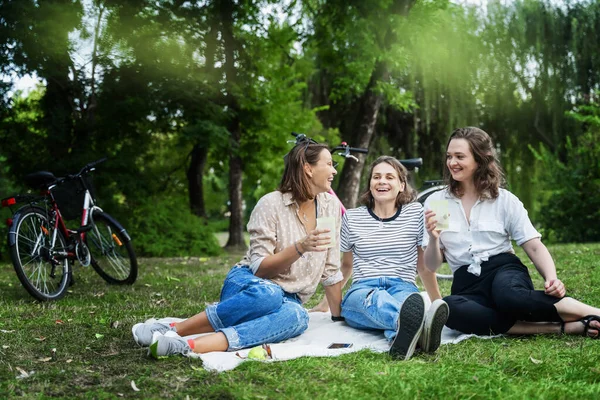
<point x="333" y="279"/>
<point x="255" y="264"/>
<point x="233" y="339"/>
<point x="213" y="317"/>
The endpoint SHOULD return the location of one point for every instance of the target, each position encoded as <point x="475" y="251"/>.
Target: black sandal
<point x="586" y="321"/>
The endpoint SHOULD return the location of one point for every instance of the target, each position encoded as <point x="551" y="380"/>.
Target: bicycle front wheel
<point x="112" y="254"/>
<point x="42" y="268"/>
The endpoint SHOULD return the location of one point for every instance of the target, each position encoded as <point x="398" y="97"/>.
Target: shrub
<point x="165" y="227"/>
<point x="571" y="207"/>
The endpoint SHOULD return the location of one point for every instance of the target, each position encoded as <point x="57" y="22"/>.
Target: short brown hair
<point x="294" y="178"/>
<point x="407" y="196"/>
<point x="488" y="177"/>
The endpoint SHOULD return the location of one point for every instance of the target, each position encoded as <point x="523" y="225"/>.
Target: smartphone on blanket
<point x="339" y="345"/>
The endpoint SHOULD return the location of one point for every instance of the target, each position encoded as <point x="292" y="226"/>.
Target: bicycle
<point x="43" y="250"/>
<point x="411" y="164"/>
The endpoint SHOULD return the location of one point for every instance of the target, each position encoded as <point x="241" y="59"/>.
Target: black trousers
<point x="502" y="295"/>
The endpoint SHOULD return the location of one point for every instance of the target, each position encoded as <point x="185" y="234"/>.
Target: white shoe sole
<point x="435" y="319"/>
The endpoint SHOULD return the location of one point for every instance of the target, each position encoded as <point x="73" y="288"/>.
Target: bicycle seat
<point x="412" y="163"/>
<point x="40" y="179"/>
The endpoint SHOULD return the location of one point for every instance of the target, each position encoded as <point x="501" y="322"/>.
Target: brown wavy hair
<point x="407" y="196"/>
<point x="488" y="176"/>
<point x="294" y="178"/>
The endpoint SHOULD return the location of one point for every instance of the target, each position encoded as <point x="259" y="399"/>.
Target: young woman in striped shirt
<point x="381" y="242"/>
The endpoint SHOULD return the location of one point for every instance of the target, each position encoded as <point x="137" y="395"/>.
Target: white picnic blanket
<point x="313" y="342"/>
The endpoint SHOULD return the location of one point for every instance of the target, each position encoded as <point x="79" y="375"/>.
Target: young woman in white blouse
<point x="492" y="291"/>
<point x="381" y="244"/>
<point x="262" y="296"/>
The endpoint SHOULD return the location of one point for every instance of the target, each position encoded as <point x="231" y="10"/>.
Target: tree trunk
<point x="199" y="155"/>
<point x="58" y="113"/>
<point x="236" y="227"/>
<point x="370" y="103"/>
<point x="362" y="136"/>
<point x="236" y="222"/>
<point x="194" y="175"/>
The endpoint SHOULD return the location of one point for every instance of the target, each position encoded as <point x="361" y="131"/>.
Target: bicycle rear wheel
<point x="41" y="268"/>
<point x="113" y="257"/>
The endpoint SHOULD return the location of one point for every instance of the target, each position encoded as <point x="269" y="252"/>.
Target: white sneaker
<point x="142" y="333"/>
<point x="435" y="319"/>
<point x="168" y="345"/>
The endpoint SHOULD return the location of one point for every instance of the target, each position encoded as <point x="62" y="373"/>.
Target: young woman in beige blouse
<point x="262" y="296"/>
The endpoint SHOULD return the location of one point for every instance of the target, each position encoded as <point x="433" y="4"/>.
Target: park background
<point x="194" y="101"/>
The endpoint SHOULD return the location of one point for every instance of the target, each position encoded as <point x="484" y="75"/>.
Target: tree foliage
<point x="571" y="205"/>
<point x="196" y="100"/>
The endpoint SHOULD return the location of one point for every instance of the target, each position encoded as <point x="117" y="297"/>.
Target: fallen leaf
<point x="99" y="335"/>
<point x="533" y="360"/>
<point x="135" y="388"/>
<point x="59" y="322"/>
<point x="114" y="324"/>
<point x="44" y="359"/>
<point x="40" y="339"/>
<point x="24" y="374"/>
<point x="70" y="360"/>
<point x="160" y="301"/>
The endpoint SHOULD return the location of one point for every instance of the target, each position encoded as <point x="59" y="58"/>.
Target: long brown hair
<point x="488" y="177"/>
<point x="407" y="196"/>
<point x="294" y="178"/>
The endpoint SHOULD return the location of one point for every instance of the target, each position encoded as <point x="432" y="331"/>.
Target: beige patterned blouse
<point x="275" y="225"/>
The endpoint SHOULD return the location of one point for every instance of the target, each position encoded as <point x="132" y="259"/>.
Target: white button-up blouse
<point x="492" y="225"/>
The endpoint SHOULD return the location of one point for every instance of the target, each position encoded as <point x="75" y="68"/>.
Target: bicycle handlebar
<point x="87" y="168"/>
<point x="343" y="146"/>
<point x="90" y="166"/>
<point x="351" y="149"/>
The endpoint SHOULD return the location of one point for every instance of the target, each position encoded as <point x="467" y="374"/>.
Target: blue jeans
<point x="254" y="311"/>
<point x="375" y="304"/>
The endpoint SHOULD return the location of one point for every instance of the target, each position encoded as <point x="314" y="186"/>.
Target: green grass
<point x="96" y="357"/>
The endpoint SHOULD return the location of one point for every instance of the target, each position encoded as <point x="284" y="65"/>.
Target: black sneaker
<point x="410" y="325"/>
<point x="435" y="319"/>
